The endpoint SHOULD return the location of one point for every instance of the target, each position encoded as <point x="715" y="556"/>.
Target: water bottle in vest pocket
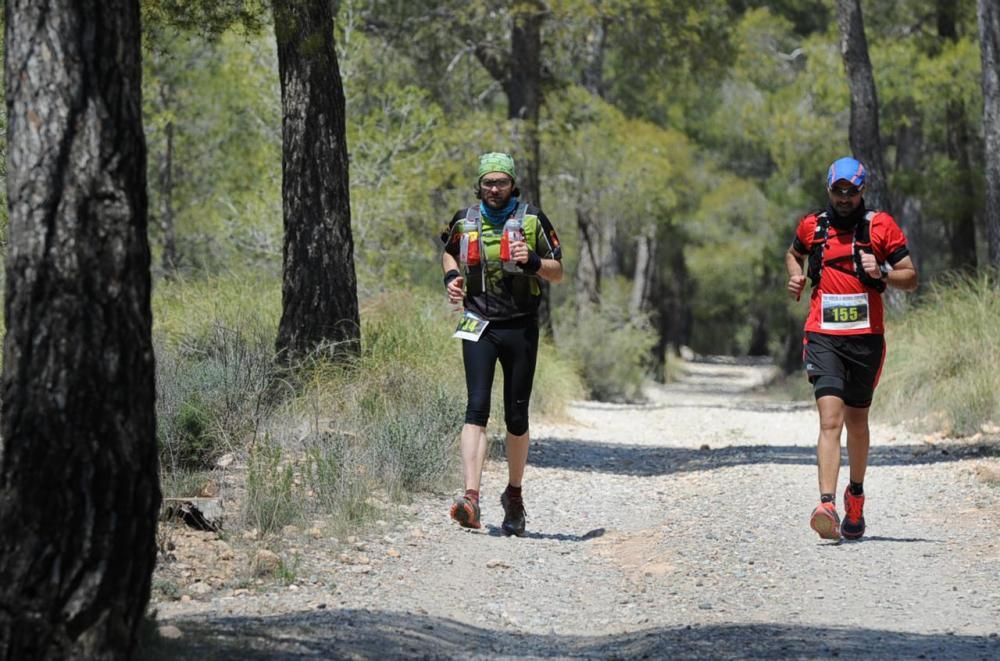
<point x="513" y="231"/>
<point x="468" y="252"/>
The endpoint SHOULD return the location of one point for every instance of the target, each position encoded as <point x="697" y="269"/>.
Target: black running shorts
<point x="845" y="366"/>
<point x="514" y="343"/>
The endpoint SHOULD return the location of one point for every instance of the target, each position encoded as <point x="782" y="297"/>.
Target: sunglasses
<point x="850" y="191"/>
<point x="499" y="184"/>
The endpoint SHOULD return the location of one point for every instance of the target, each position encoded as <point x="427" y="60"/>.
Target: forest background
<point x="678" y="145"/>
<point x="673" y="145"/>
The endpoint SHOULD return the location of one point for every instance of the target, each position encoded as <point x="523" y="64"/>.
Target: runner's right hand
<point x="455" y="294"/>
<point x="796" y="283"/>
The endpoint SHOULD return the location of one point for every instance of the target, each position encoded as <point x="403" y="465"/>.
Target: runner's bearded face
<point x="845" y="196"/>
<point x="496" y="189"/>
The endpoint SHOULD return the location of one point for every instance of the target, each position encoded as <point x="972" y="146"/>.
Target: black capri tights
<point x="515" y="344"/>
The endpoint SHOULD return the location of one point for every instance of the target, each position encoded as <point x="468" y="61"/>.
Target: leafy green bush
<point x="213" y="339"/>
<point x="939" y="371"/>
<point x="611" y="347"/>
<point x="212" y="394"/>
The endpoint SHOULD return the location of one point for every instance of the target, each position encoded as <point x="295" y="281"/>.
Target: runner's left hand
<point x="870" y="265"/>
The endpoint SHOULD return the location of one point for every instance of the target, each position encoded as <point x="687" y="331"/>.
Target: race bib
<point x="470" y="327"/>
<point x="845" y="312"/>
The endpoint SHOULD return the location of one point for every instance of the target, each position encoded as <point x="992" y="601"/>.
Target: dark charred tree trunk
<point x="79" y="483"/>
<point x="864" y="132"/>
<point x="319" y="292"/>
<point x="989" y="40"/>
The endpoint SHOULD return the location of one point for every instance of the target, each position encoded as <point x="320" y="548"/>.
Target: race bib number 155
<point x="845" y="312"/>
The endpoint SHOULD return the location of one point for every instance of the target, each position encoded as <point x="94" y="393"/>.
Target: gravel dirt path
<point x="677" y="528"/>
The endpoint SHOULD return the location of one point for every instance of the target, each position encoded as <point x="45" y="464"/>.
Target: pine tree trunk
<point x="645" y="270"/>
<point x="963" y="213"/>
<point x="989" y="40"/>
<point x="79" y="484"/>
<point x="588" y="273"/>
<point x="524" y="94"/>
<point x="864" y="132"/>
<point x="909" y="158"/>
<point x="319" y="291"/>
<point x="167" y="225"/>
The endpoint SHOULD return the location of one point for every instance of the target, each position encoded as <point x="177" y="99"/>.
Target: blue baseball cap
<point x="848" y="169"/>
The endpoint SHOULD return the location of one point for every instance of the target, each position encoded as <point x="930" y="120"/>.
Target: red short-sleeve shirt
<point x="840" y="304"/>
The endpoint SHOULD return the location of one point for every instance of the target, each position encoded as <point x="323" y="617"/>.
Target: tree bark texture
<point x="319" y="291"/>
<point x="167" y="225"/>
<point x="866" y="143"/>
<point x="524" y="93"/>
<point x="671" y="292"/>
<point x="645" y="270"/>
<point x="963" y="221"/>
<point x="79" y="483"/>
<point x="909" y="158"/>
<point x="989" y="40"/>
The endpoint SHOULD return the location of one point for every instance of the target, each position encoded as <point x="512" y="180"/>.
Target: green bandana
<point x="496" y="162"/>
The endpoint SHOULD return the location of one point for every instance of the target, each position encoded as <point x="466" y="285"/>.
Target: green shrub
<point x="212" y="393"/>
<point x="940" y="355"/>
<point x="272" y="499"/>
<point x="611" y="347"/>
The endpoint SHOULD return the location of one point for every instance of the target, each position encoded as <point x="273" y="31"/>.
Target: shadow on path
<point x="361" y="634"/>
<point x="644" y="460"/>
<point x="497" y="531"/>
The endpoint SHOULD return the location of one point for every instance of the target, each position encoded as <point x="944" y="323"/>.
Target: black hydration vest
<point x="862" y="242"/>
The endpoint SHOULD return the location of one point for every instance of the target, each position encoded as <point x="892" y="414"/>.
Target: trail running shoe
<point x="854" y="515"/>
<point x="825" y="521"/>
<point x="466" y="512"/>
<point x="513" y="514"/>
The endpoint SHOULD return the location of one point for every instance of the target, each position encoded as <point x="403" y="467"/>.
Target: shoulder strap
<point x="863" y="230"/>
<point x="863" y="243"/>
<point x="820" y="234"/>
<point x="522" y="208"/>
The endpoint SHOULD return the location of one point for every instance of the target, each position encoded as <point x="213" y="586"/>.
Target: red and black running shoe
<point x="854" y="515"/>
<point x="465" y="510"/>
<point x="824" y="520"/>
<point x="513" y="514"/>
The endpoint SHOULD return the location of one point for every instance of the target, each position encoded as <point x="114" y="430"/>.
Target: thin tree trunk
<point x="79" y="484"/>
<point x="909" y="158"/>
<point x="645" y="269"/>
<point x="759" y="313"/>
<point x="169" y="259"/>
<point x="864" y="132"/>
<point x="989" y="40"/>
<point x="588" y="272"/>
<point x="963" y="216"/>
<point x="319" y="291"/>
<point x="592" y="72"/>
<point x="524" y="92"/>
<point x="672" y="296"/>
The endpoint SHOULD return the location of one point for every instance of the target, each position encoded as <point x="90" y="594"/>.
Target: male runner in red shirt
<point x="852" y="254"/>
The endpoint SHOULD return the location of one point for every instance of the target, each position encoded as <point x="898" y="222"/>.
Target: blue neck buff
<point x="497" y="216"/>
